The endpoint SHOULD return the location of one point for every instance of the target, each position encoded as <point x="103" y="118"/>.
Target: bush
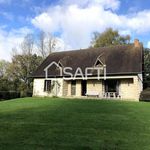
<point x="5" y="95"/>
<point x="145" y="95"/>
<point x="26" y="93"/>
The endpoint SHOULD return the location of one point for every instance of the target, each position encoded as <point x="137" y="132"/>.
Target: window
<point x="73" y="87"/>
<point x="98" y="63"/>
<point x="60" y="64"/>
<point x="47" y="85"/>
<point x="112" y="87"/>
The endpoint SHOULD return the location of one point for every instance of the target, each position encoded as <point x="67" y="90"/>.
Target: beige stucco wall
<point x="69" y="88"/>
<point x="38" y="88"/>
<point x="65" y="88"/>
<point x="92" y="85"/>
<point x="78" y="88"/>
<point x="95" y="85"/>
<point x="127" y="89"/>
<point x="131" y="90"/>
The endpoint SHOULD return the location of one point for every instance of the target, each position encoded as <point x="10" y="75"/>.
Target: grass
<point x="61" y="124"/>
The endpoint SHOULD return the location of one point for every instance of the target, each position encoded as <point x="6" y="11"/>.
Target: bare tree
<point x="41" y="44"/>
<point x="46" y="44"/>
<point x="52" y="41"/>
<point x="27" y="44"/>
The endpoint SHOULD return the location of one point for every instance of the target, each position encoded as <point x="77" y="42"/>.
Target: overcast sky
<point x="72" y="21"/>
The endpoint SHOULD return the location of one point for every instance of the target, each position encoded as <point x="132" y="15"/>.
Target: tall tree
<point x="24" y="64"/>
<point x="52" y="42"/>
<point x="4" y="77"/>
<point x="109" y="37"/>
<point x="147" y="67"/>
<point x="46" y="44"/>
<point x="41" y="44"/>
<point x="3" y="68"/>
<point x="21" y="69"/>
<point x="28" y="44"/>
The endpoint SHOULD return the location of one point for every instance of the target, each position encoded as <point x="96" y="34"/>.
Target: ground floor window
<point x="73" y="87"/>
<point x="112" y="87"/>
<point x="47" y="85"/>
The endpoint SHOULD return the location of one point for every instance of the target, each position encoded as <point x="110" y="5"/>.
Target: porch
<point x="93" y="88"/>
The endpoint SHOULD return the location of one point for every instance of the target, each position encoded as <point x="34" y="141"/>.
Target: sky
<point x="71" y="21"/>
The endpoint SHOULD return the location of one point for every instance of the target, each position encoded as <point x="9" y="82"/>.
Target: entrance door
<point x="84" y="87"/>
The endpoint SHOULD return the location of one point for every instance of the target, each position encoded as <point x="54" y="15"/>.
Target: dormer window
<point x="60" y="64"/>
<point x="98" y="62"/>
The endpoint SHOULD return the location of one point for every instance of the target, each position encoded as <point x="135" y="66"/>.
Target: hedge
<point x="5" y="95"/>
<point x="145" y="95"/>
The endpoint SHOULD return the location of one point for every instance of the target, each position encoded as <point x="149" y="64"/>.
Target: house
<point x="107" y="72"/>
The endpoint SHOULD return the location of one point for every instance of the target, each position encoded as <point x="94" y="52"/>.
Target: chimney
<point x="136" y="43"/>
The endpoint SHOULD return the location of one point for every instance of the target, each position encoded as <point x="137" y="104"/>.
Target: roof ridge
<point x="92" y="48"/>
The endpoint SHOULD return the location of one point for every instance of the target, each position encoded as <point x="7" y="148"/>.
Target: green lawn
<point x="61" y="124"/>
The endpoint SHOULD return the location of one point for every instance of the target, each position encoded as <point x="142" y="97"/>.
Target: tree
<point x="23" y="65"/>
<point x="146" y="67"/>
<point x="4" y="80"/>
<point x="21" y="69"/>
<point x="41" y="45"/>
<point x="3" y="67"/>
<point x="28" y="44"/>
<point x="52" y="42"/>
<point x="46" y="44"/>
<point x="17" y="74"/>
<point x="108" y="38"/>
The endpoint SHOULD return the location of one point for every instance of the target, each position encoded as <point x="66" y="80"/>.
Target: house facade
<point x="108" y="72"/>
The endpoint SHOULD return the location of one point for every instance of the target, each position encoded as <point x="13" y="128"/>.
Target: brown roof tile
<point x="122" y="59"/>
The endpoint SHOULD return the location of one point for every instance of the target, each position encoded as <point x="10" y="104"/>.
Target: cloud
<point x="140" y="22"/>
<point x="45" y="22"/>
<point x="75" y="21"/>
<point x="76" y="24"/>
<point x="106" y="4"/>
<point x="13" y="39"/>
<point x="9" y="40"/>
<point x="148" y="44"/>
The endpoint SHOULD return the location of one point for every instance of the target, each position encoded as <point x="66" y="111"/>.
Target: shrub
<point x="26" y="93"/>
<point x="5" y="95"/>
<point x="145" y="95"/>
